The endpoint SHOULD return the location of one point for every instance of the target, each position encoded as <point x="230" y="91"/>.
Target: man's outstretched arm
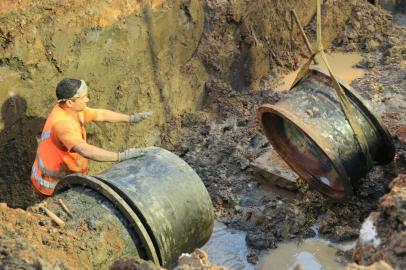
<point x="95" y="153"/>
<point x="98" y="154"/>
<point x="110" y="116"/>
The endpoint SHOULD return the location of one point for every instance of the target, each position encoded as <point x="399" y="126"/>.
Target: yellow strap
<point x="345" y="103"/>
<point x="318" y="33"/>
<point x="303" y="70"/>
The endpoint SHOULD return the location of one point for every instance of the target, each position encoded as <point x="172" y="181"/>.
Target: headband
<point x="82" y="91"/>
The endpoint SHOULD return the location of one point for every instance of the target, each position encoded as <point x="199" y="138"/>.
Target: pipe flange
<point x="102" y="188"/>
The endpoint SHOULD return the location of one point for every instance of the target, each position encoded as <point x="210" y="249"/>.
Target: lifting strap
<point x="345" y="103"/>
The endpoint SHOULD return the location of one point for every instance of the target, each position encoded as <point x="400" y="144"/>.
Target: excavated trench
<point x="203" y="68"/>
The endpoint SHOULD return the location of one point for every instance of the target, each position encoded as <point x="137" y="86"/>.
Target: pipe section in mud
<point x="155" y="207"/>
<point x="311" y="133"/>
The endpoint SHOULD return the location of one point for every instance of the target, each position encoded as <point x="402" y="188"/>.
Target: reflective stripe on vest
<point x="40" y="180"/>
<point x="45" y="135"/>
<point x="48" y="172"/>
<point x="44" y="171"/>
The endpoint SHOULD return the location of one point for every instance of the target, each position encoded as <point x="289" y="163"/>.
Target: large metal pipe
<point x="155" y="207"/>
<point x="311" y="133"/>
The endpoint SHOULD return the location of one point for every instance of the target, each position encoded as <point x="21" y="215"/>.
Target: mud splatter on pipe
<point x="155" y="207"/>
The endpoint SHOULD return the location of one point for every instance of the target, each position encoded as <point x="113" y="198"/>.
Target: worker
<point x="63" y="149"/>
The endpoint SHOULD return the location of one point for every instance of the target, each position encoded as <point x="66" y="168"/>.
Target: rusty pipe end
<point x="308" y="154"/>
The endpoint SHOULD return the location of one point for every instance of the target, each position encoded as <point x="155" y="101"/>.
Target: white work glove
<point x="135" y="118"/>
<point x="131" y="153"/>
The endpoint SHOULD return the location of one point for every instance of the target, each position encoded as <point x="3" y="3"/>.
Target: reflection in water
<point x="227" y="247"/>
<point x="312" y="254"/>
<point x="324" y="180"/>
<point x="342" y="65"/>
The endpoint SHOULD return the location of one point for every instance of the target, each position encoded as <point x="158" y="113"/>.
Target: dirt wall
<point x="253" y="44"/>
<point x="135" y="56"/>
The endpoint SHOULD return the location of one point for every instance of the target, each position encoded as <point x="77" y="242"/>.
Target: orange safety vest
<point x="53" y="161"/>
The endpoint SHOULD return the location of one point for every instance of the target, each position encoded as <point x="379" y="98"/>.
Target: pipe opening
<point x="303" y="155"/>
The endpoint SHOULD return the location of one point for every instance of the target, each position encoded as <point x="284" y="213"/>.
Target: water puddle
<point x="227" y="247"/>
<point x="342" y="65"/>
<point x="311" y="254"/>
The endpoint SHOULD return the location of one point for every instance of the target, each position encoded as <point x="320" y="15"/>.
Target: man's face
<point x="79" y="104"/>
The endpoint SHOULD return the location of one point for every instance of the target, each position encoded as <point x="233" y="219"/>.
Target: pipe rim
<point x="97" y="185"/>
<point x="319" y="142"/>
<point x="363" y="105"/>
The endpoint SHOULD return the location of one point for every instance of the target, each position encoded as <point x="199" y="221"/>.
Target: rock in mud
<point x="401" y="135"/>
<point x="261" y="240"/>
<point x="198" y="260"/>
<point x="383" y="233"/>
<point x="381" y="265"/>
<point x="134" y="263"/>
<point x="271" y="167"/>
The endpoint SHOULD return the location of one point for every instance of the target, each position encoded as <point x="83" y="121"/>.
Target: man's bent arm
<point x="110" y="116"/>
<point x="95" y="153"/>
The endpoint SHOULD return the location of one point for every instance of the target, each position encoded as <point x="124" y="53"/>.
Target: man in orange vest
<point x="62" y="149"/>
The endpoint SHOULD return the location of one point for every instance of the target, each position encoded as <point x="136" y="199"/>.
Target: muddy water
<point x="342" y="64"/>
<point x="312" y="254"/>
<point x="227" y="247"/>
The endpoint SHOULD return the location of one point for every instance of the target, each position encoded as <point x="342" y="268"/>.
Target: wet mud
<point x="224" y="139"/>
<point x="382" y="234"/>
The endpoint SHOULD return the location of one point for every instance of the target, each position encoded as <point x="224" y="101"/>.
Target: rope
<point x="345" y="103"/>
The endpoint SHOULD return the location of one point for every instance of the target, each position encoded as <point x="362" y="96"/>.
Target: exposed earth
<point x="221" y="150"/>
<point x="231" y="58"/>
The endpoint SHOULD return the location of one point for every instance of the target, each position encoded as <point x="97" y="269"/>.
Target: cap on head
<point x="70" y="88"/>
